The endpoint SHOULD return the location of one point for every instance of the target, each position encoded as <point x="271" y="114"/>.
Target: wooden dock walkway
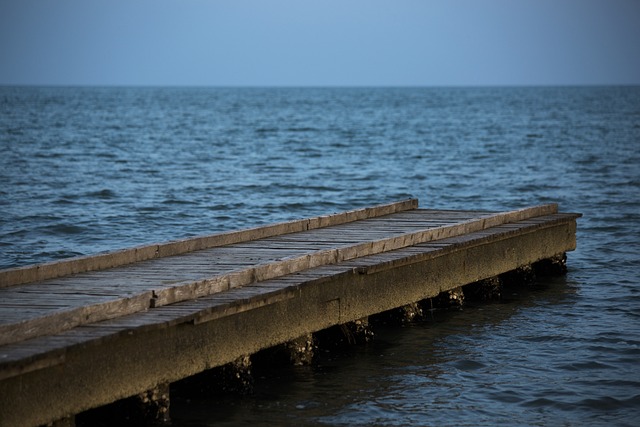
<point x="80" y="333"/>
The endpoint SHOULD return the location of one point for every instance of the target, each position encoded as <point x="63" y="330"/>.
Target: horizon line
<point x="310" y="86"/>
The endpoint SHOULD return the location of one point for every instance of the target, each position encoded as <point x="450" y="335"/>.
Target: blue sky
<point x="319" y="43"/>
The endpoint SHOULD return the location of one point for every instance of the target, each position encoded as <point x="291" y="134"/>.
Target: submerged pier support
<point x="300" y="350"/>
<point x="147" y="409"/>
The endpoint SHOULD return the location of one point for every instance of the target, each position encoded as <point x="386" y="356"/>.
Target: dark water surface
<point x="84" y="170"/>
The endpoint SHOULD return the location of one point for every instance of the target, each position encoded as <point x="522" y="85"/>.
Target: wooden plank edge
<point x="468" y="240"/>
<point x="81" y="264"/>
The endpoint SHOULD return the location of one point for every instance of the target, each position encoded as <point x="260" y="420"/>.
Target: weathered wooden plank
<point x="413" y="254"/>
<point x="285" y="244"/>
<point x="20" y="275"/>
<point x="60" y="320"/>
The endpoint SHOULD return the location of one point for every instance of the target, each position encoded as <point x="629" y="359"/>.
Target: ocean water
<point x="85" y="170"/>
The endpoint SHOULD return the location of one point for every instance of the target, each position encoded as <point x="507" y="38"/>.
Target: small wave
<point x="14" y="131"/>
<point x="65" y="229"/>
<point x="468" y="365"/>
<point x="106" y="155"/>
<point x="339" y="145"/>
<point x="607" y="403"/>
<point x="174" y="201"/>
<point x="330" y="189"/>
<point x="267" y="130"/>
<point x="59" y="254"/>
<point x="150" y="208"/>
<point x="102" y="194"/>
<point x="585" y="366"/>
<point x="507" y="396"/>
<point x="302" y="129"/>
<point x="543" y="338"/>
<point x="539" y="403"/>
<point x="65" y="200"/>
<point x="231" y="207"/>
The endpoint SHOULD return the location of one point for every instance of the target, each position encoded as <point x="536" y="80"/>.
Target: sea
<point x="85" y="170"/>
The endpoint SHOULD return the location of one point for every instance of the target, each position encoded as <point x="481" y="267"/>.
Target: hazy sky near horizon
<point x="319" y="43"/>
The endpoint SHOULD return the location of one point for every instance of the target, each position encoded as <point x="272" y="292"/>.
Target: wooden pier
<point x="84" y="332"/>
